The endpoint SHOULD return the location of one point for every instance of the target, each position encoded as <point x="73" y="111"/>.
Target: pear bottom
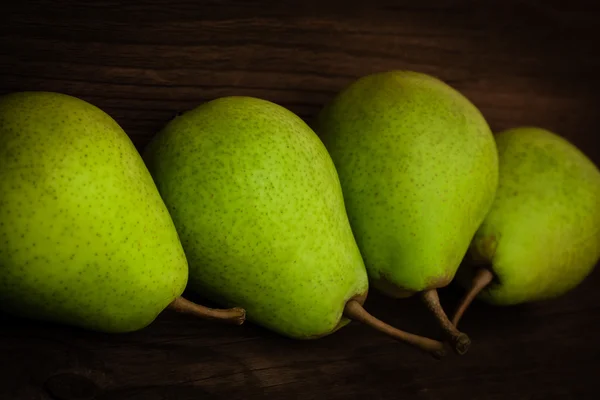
<point x="394" y="291"/>
<point x="360" y="298"/>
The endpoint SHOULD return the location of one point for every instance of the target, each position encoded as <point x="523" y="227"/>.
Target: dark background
<point x="520" y="61"/>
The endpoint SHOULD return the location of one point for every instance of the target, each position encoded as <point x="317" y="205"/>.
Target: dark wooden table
<point x="520" y="61"/>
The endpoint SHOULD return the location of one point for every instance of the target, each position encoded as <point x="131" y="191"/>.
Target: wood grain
<point x="519" y="61"/>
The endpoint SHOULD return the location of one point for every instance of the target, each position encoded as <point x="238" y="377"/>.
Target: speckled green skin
<point x="85" y="238"/>
<point x="259" y="209"/>
<point x="418" y="166"/>
<point x="542" y="234"/>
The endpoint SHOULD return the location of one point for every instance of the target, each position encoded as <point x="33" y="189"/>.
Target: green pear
<point x="541" y="238"/>
<point x="257" y="202"/>
<point x="418" y="168"/>
<point x="85" y="238"/>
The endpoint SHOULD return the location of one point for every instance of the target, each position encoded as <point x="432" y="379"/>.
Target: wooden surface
<point x="521" y="62"/>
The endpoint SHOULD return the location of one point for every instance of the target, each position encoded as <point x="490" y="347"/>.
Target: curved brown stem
<point x="235" y="315"/>
<point x="355" y="311"/>
<point x="482" y="278"/>
<point x="460" y="341"/>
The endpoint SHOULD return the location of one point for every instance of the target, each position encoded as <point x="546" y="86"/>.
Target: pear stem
<point x="460" y="341"/>
<point x="235" y="315"/>
<point x="483" y="277"/>
<point x="355" y="311"/>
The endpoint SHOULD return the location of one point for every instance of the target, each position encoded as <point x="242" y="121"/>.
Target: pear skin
<point x="418" y="167"/>
<point x="541" y="238"/>
<point x="85" y="238"/>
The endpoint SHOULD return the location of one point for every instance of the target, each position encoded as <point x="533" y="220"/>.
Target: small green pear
<point x="418" y="168"/>
<point x="257" y="202"/>
<point x="541" y="237"/>
<point x="85" y="238"/>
